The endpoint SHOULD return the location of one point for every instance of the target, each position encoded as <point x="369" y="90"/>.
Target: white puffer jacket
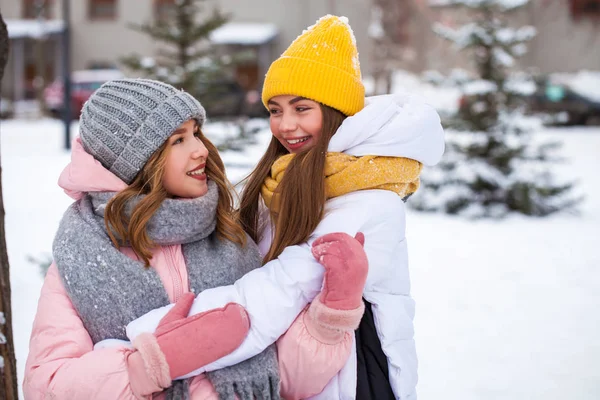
<point x="397" y="125"/>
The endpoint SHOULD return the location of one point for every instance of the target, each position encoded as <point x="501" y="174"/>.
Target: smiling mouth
<point x="198" y="171"/>
<point x="296" y="141"/>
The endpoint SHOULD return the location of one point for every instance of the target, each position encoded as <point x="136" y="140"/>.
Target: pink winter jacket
<point x="62" y="363"/>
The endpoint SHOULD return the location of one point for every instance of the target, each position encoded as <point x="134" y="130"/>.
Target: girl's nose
<point x="287" y="124"/>
<point x="200" y="151"/>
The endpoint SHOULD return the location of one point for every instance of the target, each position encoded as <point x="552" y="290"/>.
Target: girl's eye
<point x="302" y="108"/>
<point x="178" y="140"/>
<point x="273" y="112"/>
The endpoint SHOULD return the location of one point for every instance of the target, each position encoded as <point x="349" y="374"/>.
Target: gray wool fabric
<point x="232" y="383"/>
<point x="126" y="120"/>
<point x="109" y="289"/>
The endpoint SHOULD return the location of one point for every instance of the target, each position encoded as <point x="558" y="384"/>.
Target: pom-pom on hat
<point x="321" y="65"/>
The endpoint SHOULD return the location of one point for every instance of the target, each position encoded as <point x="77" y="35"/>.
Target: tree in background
<point x="491" y="166"/>
<point x="8" y="364"/>
<point x="187" y="60"/>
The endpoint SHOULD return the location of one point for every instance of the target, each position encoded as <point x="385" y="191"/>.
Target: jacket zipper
<point x="175" y="276"/>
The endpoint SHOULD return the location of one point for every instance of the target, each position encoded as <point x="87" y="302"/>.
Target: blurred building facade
<point x="102" y="34"/>
<point x="568" y="34"/>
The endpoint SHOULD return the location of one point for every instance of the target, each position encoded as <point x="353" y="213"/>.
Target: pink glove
<point x="183" y="344"/>
<point x="346" y="268"/>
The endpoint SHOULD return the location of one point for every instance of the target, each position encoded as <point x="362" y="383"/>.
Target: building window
<point x="585" y="8"/>
<point x="102" y="9"/>
<point x="162" y="9"/>
<point x="33" y="9"/>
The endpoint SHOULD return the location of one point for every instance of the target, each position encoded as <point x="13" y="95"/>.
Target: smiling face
<point x="184" y="174"/>
<point x="296" y="122"/>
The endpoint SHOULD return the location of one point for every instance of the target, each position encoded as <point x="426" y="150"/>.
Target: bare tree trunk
<point x="393" y="40"/>
<point x="389" y="81"/>
<point x="8" y="364"/>
<point x="39" y="82"/>
<point x="4" y="45"/>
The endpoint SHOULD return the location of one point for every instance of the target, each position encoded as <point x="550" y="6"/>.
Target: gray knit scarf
<point x="109" y="290"/>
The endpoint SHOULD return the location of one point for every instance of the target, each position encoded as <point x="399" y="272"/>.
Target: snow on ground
<point x="244" y="33"/>
<point x="505" y="310"/>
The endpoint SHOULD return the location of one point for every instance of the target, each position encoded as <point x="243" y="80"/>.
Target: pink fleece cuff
<point x="154" y="359"/>
<point x="328" y="324"/>
<point x="140" y="382"/>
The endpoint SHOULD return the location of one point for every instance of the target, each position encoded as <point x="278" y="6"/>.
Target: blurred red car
<point x="83" y="84"/>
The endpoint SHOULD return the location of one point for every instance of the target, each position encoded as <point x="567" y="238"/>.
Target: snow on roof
<point x="96" y="75"/>
<point x="247" y="33"/>
<point x="31" y="28"/>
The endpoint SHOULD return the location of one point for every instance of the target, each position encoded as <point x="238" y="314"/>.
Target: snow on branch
<point x="474" y="32"/>
<point x="479" y="87"/>
<point x="502" y="5"/>
<point x="511" y="35"/>
<point x="465" y="35"/>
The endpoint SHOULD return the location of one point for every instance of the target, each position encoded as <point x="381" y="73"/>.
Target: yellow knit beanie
<point x="321" y="65"/>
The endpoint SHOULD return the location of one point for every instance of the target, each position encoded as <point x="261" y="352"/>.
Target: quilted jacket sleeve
<point x="310" y="354"/>
<point x="62" y="363"/>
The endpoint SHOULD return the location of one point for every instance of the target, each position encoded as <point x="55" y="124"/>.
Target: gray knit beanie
<point x="125" y="121"/>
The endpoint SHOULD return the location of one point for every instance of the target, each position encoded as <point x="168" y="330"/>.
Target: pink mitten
<point x="183" y="344"/>
<point x="346" y="268"/>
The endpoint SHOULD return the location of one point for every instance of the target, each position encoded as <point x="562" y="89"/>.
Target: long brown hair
<point x="132" y="229"/>
<point x="301" y="192"/>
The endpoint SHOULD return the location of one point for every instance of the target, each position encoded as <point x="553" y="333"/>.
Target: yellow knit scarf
<point x="345" y="174"/>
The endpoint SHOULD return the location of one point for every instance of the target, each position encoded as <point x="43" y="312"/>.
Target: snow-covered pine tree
<point x="491" y="166"/>
<point x="189" y="61"/>
<point x="186" y="59"/>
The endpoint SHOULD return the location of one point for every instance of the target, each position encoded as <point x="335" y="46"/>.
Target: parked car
<point x="553" y="95"/>
<point x="83" y="84"/>
<point x="226" y="98"/>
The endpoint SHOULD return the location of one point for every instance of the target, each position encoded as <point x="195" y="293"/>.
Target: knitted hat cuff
<point x="305" y="78"/>
<point x="155" y="130"/>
